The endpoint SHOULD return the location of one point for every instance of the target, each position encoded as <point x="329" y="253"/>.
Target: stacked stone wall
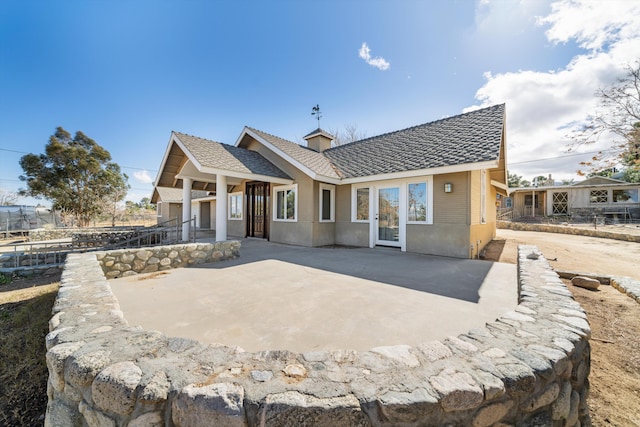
<point x="44" y="234"/>
<point x="581" y="231"/>
<point x="129" y="262"/>
<point x="528" y="368"/>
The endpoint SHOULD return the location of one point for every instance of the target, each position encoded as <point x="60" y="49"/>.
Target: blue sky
<point x="128" y="73"/>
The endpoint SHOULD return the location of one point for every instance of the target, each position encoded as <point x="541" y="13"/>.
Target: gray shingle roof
<point x="228" y="157"/>
<point x="467" y="138"/>
<point x="309" y="158"/>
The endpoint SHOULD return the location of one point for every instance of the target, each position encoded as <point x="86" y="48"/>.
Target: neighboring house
<point x="429" y="189"/>
<point x="598" y="196"/>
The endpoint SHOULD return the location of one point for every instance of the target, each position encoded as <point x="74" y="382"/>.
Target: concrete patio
<point x="305" y="299"/>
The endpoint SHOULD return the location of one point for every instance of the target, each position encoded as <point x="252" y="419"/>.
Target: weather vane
<point x="315" y="111"/>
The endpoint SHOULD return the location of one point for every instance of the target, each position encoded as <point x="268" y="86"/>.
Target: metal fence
<point x="23" y="218"/>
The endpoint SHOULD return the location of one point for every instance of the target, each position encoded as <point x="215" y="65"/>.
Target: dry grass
<point x="25" y="309"/>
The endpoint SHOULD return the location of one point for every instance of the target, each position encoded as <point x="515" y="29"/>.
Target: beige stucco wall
<point x="449" y="233"/>
<point x="346" y="232"/>
<point x="439" y="239"/>
<point x="451" y="208"/>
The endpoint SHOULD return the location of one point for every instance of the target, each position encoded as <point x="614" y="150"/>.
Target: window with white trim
<point x="285" y="207"/>
<point x="360" y="204"/>
<point x="417" y="202"/>
<point x="235" y="206"/>
<point x="327" y="203"/>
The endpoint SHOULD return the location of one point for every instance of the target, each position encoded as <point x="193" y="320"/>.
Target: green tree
<point x="514" y="180"/>
<point x="75" y="174"/>
<point x="145" y="203"/>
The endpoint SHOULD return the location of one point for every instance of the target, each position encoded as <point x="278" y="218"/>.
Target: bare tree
<point x="348" y="135"/>
<point x="8" y="198"/>
<point x="618" y="114"/>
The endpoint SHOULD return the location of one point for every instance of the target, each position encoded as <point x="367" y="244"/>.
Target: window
<point x="483" y="197"/>
<point x="625" y="196"/>
<point x="598" y="196"/>
<point x="159" y="209"/>
<point x="417" y="202"/>
<point x="528" y="200"/>
<point x="560" y="203"/>
<point x="327" y="202"/>
<point x="508" y="202"/>
<point x="235" y="206"/>
<point x="286" y="205"/>
<point x="360" y="204"/>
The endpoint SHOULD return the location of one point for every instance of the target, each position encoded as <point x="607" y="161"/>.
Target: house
<point x="599" y="196"/>
<point x="427" y="189"/>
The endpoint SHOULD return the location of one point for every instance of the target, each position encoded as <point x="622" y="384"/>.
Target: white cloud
<point x="542" y="106"/>
<point x="143" y="176"/>
<point x="378" y="62"/>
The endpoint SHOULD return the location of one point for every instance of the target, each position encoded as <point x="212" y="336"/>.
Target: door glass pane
<point x="280" y="208"/>
<point x="362" y="202"/>
<point x="326" y="204"/>
<point x="389" y="214"/>
<point x="291" y="204"/>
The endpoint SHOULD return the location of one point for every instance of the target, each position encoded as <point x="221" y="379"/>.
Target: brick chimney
<point x="319" y="140"/>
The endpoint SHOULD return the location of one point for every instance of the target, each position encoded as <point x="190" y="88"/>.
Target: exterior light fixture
<point x="448" y="187"/>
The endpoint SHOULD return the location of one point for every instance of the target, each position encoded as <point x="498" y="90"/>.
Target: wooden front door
<point x="258" y="209"/>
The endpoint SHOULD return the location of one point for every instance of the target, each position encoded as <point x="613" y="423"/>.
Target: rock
<point x="293" y="408"/>
<point x="114" y="387"/>
<point x="215" y="404"/>
<point x="399" y="353"/>
<point x="585" y="282"/>
<point x="459" y="391"/>
<point x="295" y="371"/>
<point x="261" y="376"/>
<point x="491" y="414"/>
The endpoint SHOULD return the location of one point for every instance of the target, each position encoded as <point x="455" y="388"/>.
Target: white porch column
<point x="221" y="208"/>
<point x="186" y="207"/>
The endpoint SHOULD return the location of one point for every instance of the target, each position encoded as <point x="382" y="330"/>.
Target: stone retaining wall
<point x="547" y="228"/>
<point x="528" y="368"/>
<point x="44" y="234"/>
<point x="129" y="262"/>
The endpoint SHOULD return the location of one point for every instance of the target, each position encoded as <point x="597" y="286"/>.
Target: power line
<point x="13" y="151"/>
<point x="558" y="157"/>
<point x="122" y="167"/>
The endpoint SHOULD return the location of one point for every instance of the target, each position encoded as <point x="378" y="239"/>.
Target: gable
<point x="599" y="180"/>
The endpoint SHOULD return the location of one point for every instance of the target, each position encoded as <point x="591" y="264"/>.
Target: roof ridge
<point x="285" y="140"/>
<point x="197" y="137"/>
<point x="270" y="134"/>
<point x="457" y="116"/>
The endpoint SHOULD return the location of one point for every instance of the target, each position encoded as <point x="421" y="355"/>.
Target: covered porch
<point x="227" y="174"/>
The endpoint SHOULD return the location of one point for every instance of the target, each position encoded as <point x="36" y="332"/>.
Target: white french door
<point x="388" y="219"/>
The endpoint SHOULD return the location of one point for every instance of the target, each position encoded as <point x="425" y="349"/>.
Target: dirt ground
<point x="614" y="398"/>
<point x="25" y="309"/>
